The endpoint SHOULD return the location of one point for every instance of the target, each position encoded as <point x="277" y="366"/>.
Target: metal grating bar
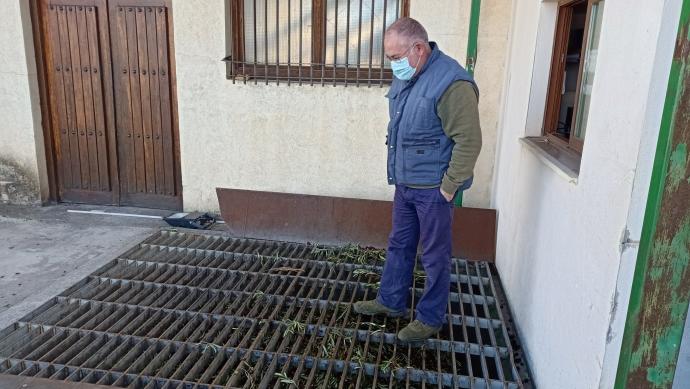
<point x="208" y="277"/>
<point x="184" y="310"/>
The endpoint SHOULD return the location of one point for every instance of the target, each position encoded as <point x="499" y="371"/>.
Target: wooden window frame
<point x="298" y="72"/>
<point x="556" y="73"/>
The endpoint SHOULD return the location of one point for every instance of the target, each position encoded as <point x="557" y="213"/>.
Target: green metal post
<point x="471" y="57"/>
<point x="661" y="283"/>
<point x="472" y="36"/>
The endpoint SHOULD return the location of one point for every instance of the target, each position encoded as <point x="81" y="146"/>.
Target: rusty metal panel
<point x="257" y="214"/>
<point x="365" y="221"/>
<point x="474" y="233"/>
<point x="661" y="284"/>
<point x="336" y="220"/>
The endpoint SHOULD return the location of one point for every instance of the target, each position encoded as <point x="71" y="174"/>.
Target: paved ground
<point x="44" y="250"/>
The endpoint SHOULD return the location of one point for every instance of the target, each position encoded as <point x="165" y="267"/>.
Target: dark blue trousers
<point x="419" y="214"/>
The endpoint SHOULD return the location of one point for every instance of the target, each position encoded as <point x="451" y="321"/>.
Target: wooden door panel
<point x="58" y="103"/>
<point x="148" y="163"/>
<point x="154" y="84"/>
<point x="169" y="146"/>
<point x="76" y="87"/>
<point x="99" y="123"/>
<point x="111" y="101"/>
<point x="85" y="71"/>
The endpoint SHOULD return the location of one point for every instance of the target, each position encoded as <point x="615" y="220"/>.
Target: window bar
<point x="397" y="8"/>
<point x="383" y="35"/>
<point x="266" y="41"/>
<point x="232" y="41"/>
<point x="244" y="46"/>
<point x="347" y="43"/>
<point x="311" y="64"/>
<point x="289" y="22"/>
<point x="371" y="41"/>
<point x="335" y="43"/>
<point x="322" y="39"/>
<point x="277" y="42"/>
<point x="300" y="43"/>
<point x="237" y="53"/>
<point x="256" y="80"/>
<point x="359" y="43"/>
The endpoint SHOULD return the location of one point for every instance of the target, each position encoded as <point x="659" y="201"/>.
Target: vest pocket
<point x="422" y="161"/>
<point x="424" y="114"/>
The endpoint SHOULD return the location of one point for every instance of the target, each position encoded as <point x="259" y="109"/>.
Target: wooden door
<point x="141" y="48"/>
<point x="80" y="93"/>
<point x="110" y="90"/>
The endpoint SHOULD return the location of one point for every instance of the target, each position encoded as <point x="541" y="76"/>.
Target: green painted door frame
<point x="471" y="57"/>
<point x="661" y="284"/>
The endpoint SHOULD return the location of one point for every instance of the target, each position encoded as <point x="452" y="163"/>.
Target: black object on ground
<point x="193" y="220"/>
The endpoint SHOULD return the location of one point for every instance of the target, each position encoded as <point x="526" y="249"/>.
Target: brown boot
<point x="373" y="307"/>
<point x="417" y="332"/>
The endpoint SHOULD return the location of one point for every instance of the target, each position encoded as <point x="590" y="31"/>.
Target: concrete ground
<point x="44" y="250"/>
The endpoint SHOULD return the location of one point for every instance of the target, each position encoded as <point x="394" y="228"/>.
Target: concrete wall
<point x="22" y="157"/>
<point x="559" y="241"/>
<point x="313" y="140"/>
<point x="304" y="139"/>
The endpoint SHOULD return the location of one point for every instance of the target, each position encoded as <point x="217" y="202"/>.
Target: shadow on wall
<point x="17" y="186"/>
<point x="524" y="213"/>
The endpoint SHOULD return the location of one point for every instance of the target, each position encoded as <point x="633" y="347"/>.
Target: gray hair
<point x="410" y="29"/>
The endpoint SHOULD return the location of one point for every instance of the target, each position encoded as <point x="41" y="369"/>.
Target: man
<point x="433" y="143"/>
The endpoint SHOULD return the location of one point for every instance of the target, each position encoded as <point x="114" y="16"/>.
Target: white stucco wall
<point x="303" y="139"/>
<point x="559" y="242"/>
<point x="658" y="85"/>
<point x="21" y="139"/>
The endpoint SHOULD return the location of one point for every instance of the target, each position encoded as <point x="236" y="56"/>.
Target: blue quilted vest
<point x="418" y="149"/>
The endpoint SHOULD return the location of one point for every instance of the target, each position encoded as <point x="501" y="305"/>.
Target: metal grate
<point x="184" y="310"/>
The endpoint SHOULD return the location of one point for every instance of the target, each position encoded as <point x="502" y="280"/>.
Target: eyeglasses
<point x="400" y="56"/>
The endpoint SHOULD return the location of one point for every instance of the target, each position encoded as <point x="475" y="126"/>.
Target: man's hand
<point x="446" y="196"/>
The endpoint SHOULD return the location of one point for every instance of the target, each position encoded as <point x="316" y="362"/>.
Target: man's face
<point x="397" y="47"/>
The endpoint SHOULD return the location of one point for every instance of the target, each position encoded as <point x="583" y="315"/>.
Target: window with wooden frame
<point x="310" y="41"/>
<point x="573" y="63"/>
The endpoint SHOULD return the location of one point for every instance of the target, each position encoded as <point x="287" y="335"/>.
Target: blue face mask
<point x="402" y="69"/>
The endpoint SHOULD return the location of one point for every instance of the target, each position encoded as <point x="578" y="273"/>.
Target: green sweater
<point x="459" y="113"/>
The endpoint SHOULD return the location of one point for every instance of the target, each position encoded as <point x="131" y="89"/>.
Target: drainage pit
<point x="201" y="310"/>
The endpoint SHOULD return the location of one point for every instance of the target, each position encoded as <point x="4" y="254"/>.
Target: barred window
<point x="327" y="42"/>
